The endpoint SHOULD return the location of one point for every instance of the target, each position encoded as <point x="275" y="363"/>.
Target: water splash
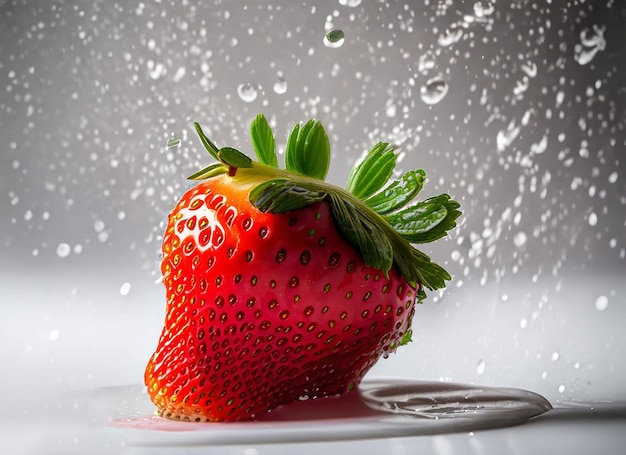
<point x="451" y="36"/>
<point x="448" y="400"/>
<point x="350" y="3"/>
<point x="590" y="44"/>
<point x="434" y="90"/>
<point x="506" y="137"/>
<point x="480" y="10"/>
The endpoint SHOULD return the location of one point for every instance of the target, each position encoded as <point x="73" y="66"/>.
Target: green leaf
<point x="432" y="276"/>
<point x="280" y="196"/>
<point x="406" y="338"/>
<point x="447" y="224"/>
<point x="263" y="141"/>
<point x="208" y="172"/>
<point x="308" y="150"/>
<point x="414" y="221"/>
<point x="416" y="266"/>
<point x="208" y="145"/>
<point x="233" y="157"/>
<point x="364" y="233"/>
<point x="398" y="193"/>
<point x="372" y="172"/>
<point x="374" y="215"/>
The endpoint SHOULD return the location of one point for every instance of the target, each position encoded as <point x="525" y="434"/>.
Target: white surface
<point x="59" y="352"/>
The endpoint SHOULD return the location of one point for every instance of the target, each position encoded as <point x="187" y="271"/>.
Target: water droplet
<point x="434" y="90"/>
<point x="350" y="3"/>
<point x="506" y="137"/>
<point x="530" y="69"/>
<point x="520" y="239"/>
<point x="481" y="11"/>
<point x="63" y="250"/>
<point x="280" y="86"/>
<point x="523" y="323"/>
<point x="539" y="147"/>
<point x="555" y="356"/>
<point x="180" y="73"/>
<point x="480" y="367"/>
<point x="247" y="92"/>
<point x="593" y="219"/>
<point x="173" y="143"/>
<point x="334" y="38"/>
<point x="125" y="288"/>
<point x="450" y="36"/>
<point x="590" y="44"/>
<point x="601" y="303"/>
<point x="426" y="62"/>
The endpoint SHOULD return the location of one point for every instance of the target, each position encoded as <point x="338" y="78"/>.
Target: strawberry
<point x="281" y="286"/>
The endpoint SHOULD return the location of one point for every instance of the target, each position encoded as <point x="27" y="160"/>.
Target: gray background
<point x="529" y="137"/>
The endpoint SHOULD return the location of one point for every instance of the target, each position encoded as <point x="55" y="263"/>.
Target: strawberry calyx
<point x="377" y="216"/>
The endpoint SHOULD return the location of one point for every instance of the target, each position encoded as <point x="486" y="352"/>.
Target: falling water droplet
<point x="481" y="11"/>
<point x="601" y="303"/>
<point x="434" y="90"/>
<point x="506" y="137"/>
<point x="280" y="86"/>
<point x="450" y="36"/>
<point x="520" y="239"/>
<point x="334" y="38"/>
<point x="350" y="3"/>
<point x="247" y="92"/>
<point x="125" y="288"/>
<point x="480" y="367"/>
<point x="593" y="219"/>
<point x="590" y="44"/>
<point x="63" y="250"/>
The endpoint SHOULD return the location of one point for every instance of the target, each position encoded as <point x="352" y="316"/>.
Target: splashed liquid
<point x="591" y="42"/>
<point x="448" y="400"/>
<point x="381" y="409"/>
<point x="434" y="91"/>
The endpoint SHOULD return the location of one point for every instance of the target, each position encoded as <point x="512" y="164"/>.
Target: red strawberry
<point x="281" y="286"/>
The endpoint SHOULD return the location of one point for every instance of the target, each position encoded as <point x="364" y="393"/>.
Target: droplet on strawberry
<point x="280" y="285"/>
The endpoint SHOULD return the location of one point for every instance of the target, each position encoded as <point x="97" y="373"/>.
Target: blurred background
<point x="516" y="108"/>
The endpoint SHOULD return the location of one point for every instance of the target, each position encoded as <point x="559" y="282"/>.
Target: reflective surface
<point x="425" y="408"/>
<point x="483" y="407"/>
